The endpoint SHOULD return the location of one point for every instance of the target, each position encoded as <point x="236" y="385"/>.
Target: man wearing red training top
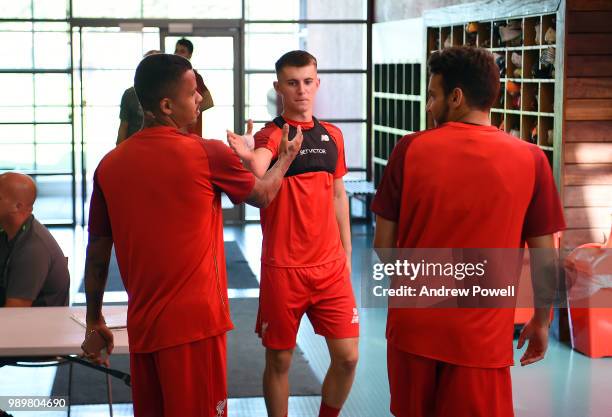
<point x="157" y="197"/>
<point x="463" y="184"/>
<point x="306" y="253"/>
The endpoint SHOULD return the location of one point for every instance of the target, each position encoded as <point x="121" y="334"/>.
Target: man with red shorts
<point x="157" y="197"/>
<point x="463" y="184"/>
<point x="306" y="253"/>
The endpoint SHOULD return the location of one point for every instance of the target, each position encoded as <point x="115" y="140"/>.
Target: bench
<point x="362" y="190"/>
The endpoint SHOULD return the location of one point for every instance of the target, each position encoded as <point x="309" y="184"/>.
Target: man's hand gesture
<point x="242" y="145"/>
<point x="290" y="148"/>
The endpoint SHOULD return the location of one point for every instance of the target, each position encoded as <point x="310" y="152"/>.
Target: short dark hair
<point x="186" y="43"/>
<point x="473" y="70"/>
<point x="295" y="59"/>
<point x="156" y="78"/>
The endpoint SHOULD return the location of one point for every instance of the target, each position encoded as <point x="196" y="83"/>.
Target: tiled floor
<point x="565" y="384"/>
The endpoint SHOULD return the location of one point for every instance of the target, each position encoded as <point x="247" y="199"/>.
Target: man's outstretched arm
<point x="255" y="160"/>
<point x="265" y="189"/>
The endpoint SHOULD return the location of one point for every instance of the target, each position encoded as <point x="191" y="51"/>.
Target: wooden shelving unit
<point x="523" y="49"/>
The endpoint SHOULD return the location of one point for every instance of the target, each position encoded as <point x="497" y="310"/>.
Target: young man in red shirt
<point x="463" y="184"/>
<point x="157" y="198"/>
<point x="306" y="254"/>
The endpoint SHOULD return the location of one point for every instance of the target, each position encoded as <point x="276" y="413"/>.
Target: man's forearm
<point x="542" y="315"/>
<point x="344" y="224"/>
<point x="266" y="188"/>
<point x="544" y="264"/>
<point x="248" y="163"/>
<point x="96" y="274"/>
<point x="385" y="239"/>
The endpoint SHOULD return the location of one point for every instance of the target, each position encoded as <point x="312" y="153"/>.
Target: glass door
<point x="104" y="60"/>
<point x="215" y="57"/>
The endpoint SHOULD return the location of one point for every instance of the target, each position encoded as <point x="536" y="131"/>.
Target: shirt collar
<point x="24" y="228"/>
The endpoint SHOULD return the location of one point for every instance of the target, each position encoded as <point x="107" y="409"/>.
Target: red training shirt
<point x="464" y="186"/>
<point x="159" y="196"/>
<point x="299" y="226"/>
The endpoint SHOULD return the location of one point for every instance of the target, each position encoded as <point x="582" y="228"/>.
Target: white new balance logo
<point x="355" y="318"/>
<point x="324" y="138"/>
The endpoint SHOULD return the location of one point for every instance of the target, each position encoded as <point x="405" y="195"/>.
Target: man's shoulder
<point x="36" y="243"/>
<point x="332" y="129"/>
<point x="212" y="145"/>
<point x="404" y="143"/>
<point x="43" y="236"/>
<point x="269" y="130"/>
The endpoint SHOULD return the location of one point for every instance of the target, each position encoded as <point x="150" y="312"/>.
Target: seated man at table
<point x="33" y="269"/>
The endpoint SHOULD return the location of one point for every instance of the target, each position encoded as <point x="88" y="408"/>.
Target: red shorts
<point x="323" y="292"/>
<point x="187" y="380"/>
<point x="423" y="387"/>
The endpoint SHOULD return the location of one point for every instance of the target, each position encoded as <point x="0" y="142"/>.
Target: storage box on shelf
<point x="524" y="49"/>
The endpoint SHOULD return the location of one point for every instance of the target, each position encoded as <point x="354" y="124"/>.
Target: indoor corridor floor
<point x="565" y="384"/>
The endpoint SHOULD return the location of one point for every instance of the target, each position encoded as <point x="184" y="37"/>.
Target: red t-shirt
<point x="464" y="186"/>
<point x="159" y="196"/>
<point x="299" y="226"/>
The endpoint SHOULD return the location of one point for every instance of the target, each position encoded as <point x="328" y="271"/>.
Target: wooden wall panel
<point x="588" y="87"/>
<point x="591" y="217"/>
<point x="588" y="153"/>
<point x="589" y="44"/>
<point x="577" y="237"/>
<point x="588" y="131"/>
<point x="587" y="109"/>
<point x="589" y="22"/>
<point x="588" y="65"/>
<point x="587" y="196"/>
<point x="588" y="174"/>
<point x="589" y="5"/>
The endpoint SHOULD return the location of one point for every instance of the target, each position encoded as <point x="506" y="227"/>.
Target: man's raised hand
<point x="242" y="145"/>
<point x="290" y="148"/>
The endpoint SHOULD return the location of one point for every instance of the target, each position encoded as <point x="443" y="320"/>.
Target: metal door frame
<point x="207" y="28"/>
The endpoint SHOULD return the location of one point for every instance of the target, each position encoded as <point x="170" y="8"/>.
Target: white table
<point x="49" y="331"/>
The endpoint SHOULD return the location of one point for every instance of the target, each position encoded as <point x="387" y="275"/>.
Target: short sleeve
<point x="28" y="270"/>
<point x="269" y="137"/>
<point x="544" y="214"/>
<point x="387" y="200"/>
<point x="338" y="138"/>
<point x="227" y="172"/>
<point x="99" y="221"/>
